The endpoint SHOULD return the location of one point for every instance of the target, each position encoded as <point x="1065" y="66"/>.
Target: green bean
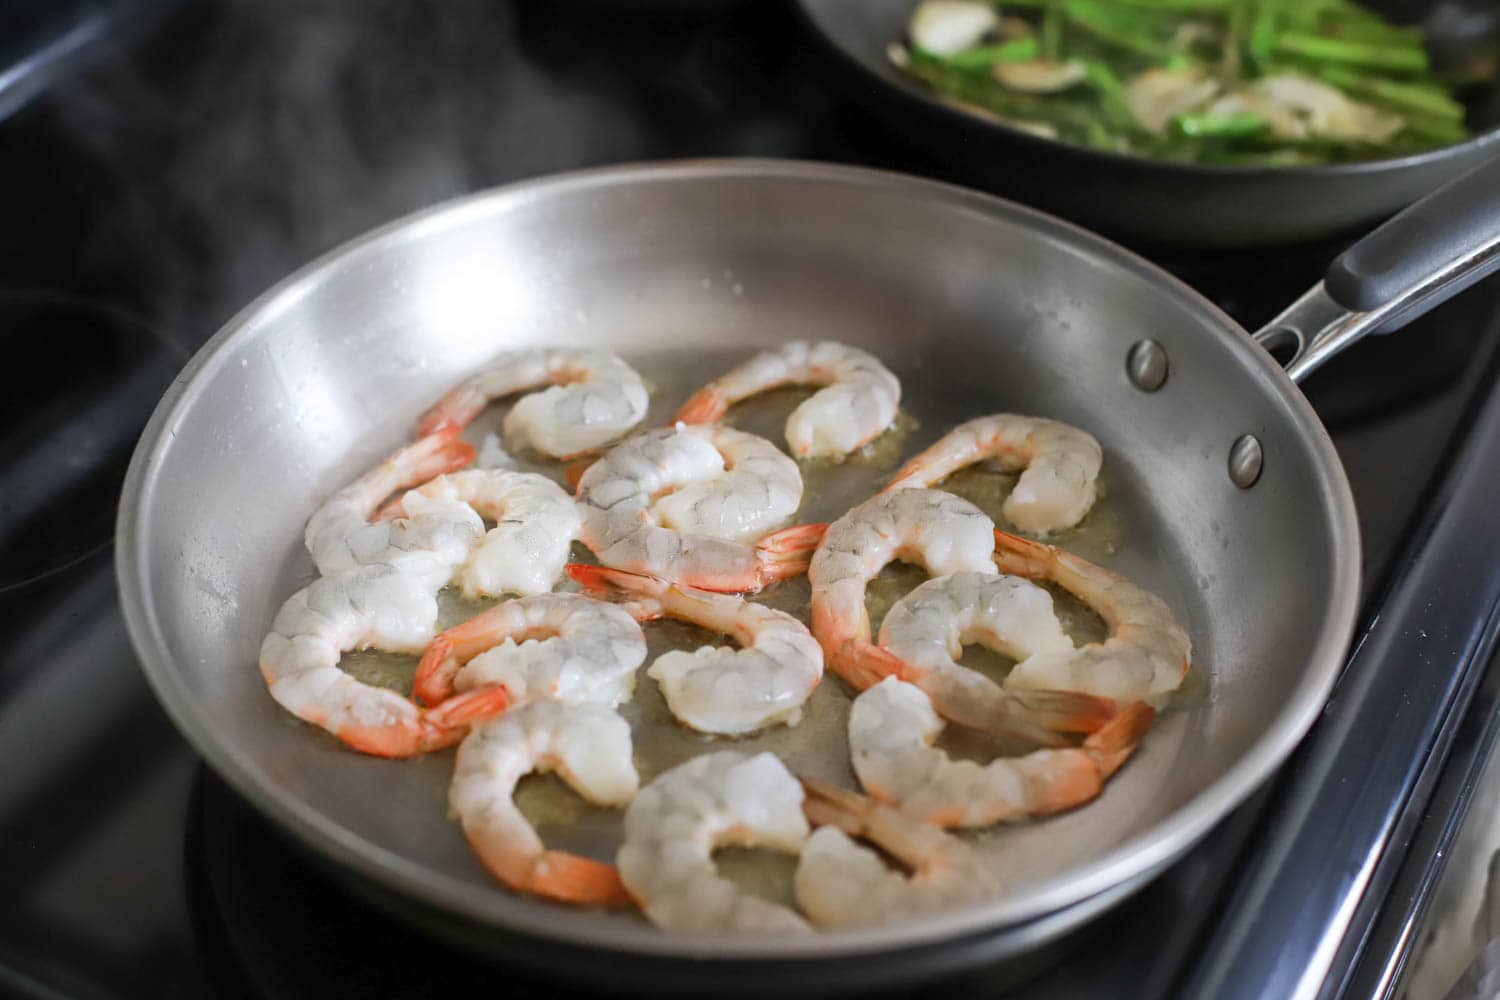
<point x="1438" y="131"/>
<point x="985" y="93"/>
<point x="982" y="57"/>
<point x="1052" y="25"/>
<point x="1356" y="24"/>
<point x="1184" y="6"/>
<point x="1204" y="125"/>
<point x="1264" y="28"/>
<point x="1111" y="96"/>
<point x="1101" y="28"/>
<point x="1421" y="98"/>
<point x="1234" y="35"/>
<point x="1377" y="63"/>
<point x="1358" y="53"/>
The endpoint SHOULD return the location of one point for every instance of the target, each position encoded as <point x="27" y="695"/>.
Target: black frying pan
<point x="1139" y="200"/>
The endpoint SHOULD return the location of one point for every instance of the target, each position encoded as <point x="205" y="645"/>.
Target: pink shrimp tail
<point x="451" y="414"/>
<point x="1022" y="556"/>
<point x="1112" y="745"/>
<point x="470" y="707"/>
<point x="606" y="580"/>
<point x="787" y="553"/>
<point x="446" y="454"/>
<point x="1065" y="711"/>
<point x="436" y="728"/>
<point x="829" y="805"/>
<point x="862" y="664"/>
<point x="433" y="682"/>
<point x="706" y="406"/>
<point x="634" y="592"/>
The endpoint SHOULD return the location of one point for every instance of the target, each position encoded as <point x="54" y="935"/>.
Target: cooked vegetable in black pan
<point x="1214" y="81"/>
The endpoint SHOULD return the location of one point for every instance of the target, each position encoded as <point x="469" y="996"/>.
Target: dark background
<point x="160" y="166"/>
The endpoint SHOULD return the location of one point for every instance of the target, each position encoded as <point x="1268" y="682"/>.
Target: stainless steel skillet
<point x="979" y="305"/>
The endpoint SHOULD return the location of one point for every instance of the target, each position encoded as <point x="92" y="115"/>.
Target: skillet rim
<point x="1145" y="853"/>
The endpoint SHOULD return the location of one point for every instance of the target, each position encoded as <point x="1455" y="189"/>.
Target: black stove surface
<point x="152" y="191"/>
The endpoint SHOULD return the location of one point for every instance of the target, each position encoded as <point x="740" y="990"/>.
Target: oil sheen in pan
<point x="818" y="745"/>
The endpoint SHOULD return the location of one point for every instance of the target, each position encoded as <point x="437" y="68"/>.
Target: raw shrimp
<point x="843" y="884"/>
<point x="1061" y="466"/>
<point x="1147" y="652"/>
<point x="548" y="646"/>
<point x="373" y="606"/>
<point x="892" y="727"/>
<point x="943" y="534"/>
<point x="535" y="524"/>
<point x="927" y="629"/>
<point x="938" y="531"/>
<point x="686" y="503"/>
<point x="858" y="402"/>
<point x="674" y="824"/>
<point x="716" y="689"/>
<point x="588" y="745"/>
<point x="594" y="398"/>
<point x="435" y="535"/>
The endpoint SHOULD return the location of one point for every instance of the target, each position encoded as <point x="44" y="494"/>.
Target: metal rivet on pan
<point x="1245" y="461"/>
<point x="1146" y="364"/>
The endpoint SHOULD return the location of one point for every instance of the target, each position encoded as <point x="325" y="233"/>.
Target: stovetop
<point x="159" y="182"/>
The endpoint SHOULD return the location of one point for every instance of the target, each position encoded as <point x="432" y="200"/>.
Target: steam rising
<point x="282" y="130"/>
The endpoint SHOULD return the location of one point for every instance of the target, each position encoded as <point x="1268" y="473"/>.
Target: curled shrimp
<point x="927" y="629"/>
<point x="1060" y="462"/>
<point x="1146" y="654"/>
<point x="943" y="534"/>
<point x="588" y="745"/>
<point x="547" y="646"/>
<point x="716" y="689"/>
<point x="858" y="402"/>
<point x="593" y="398"/>
<point x="685" y="503"/>
<point x="433" y="534"/>
<point x="892" y="727"/>
<point x="841" y="883"/>
<point x="938" y="531"/>
<point x="676" y="821"/>
<point x="535" y="524"/>
<point x="372" y="606"/>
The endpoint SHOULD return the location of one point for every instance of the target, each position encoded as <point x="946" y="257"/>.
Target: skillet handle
<point x="1422" y="256"/>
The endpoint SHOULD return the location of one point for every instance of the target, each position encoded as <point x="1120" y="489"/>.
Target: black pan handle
<point x="1422" y="256"/>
